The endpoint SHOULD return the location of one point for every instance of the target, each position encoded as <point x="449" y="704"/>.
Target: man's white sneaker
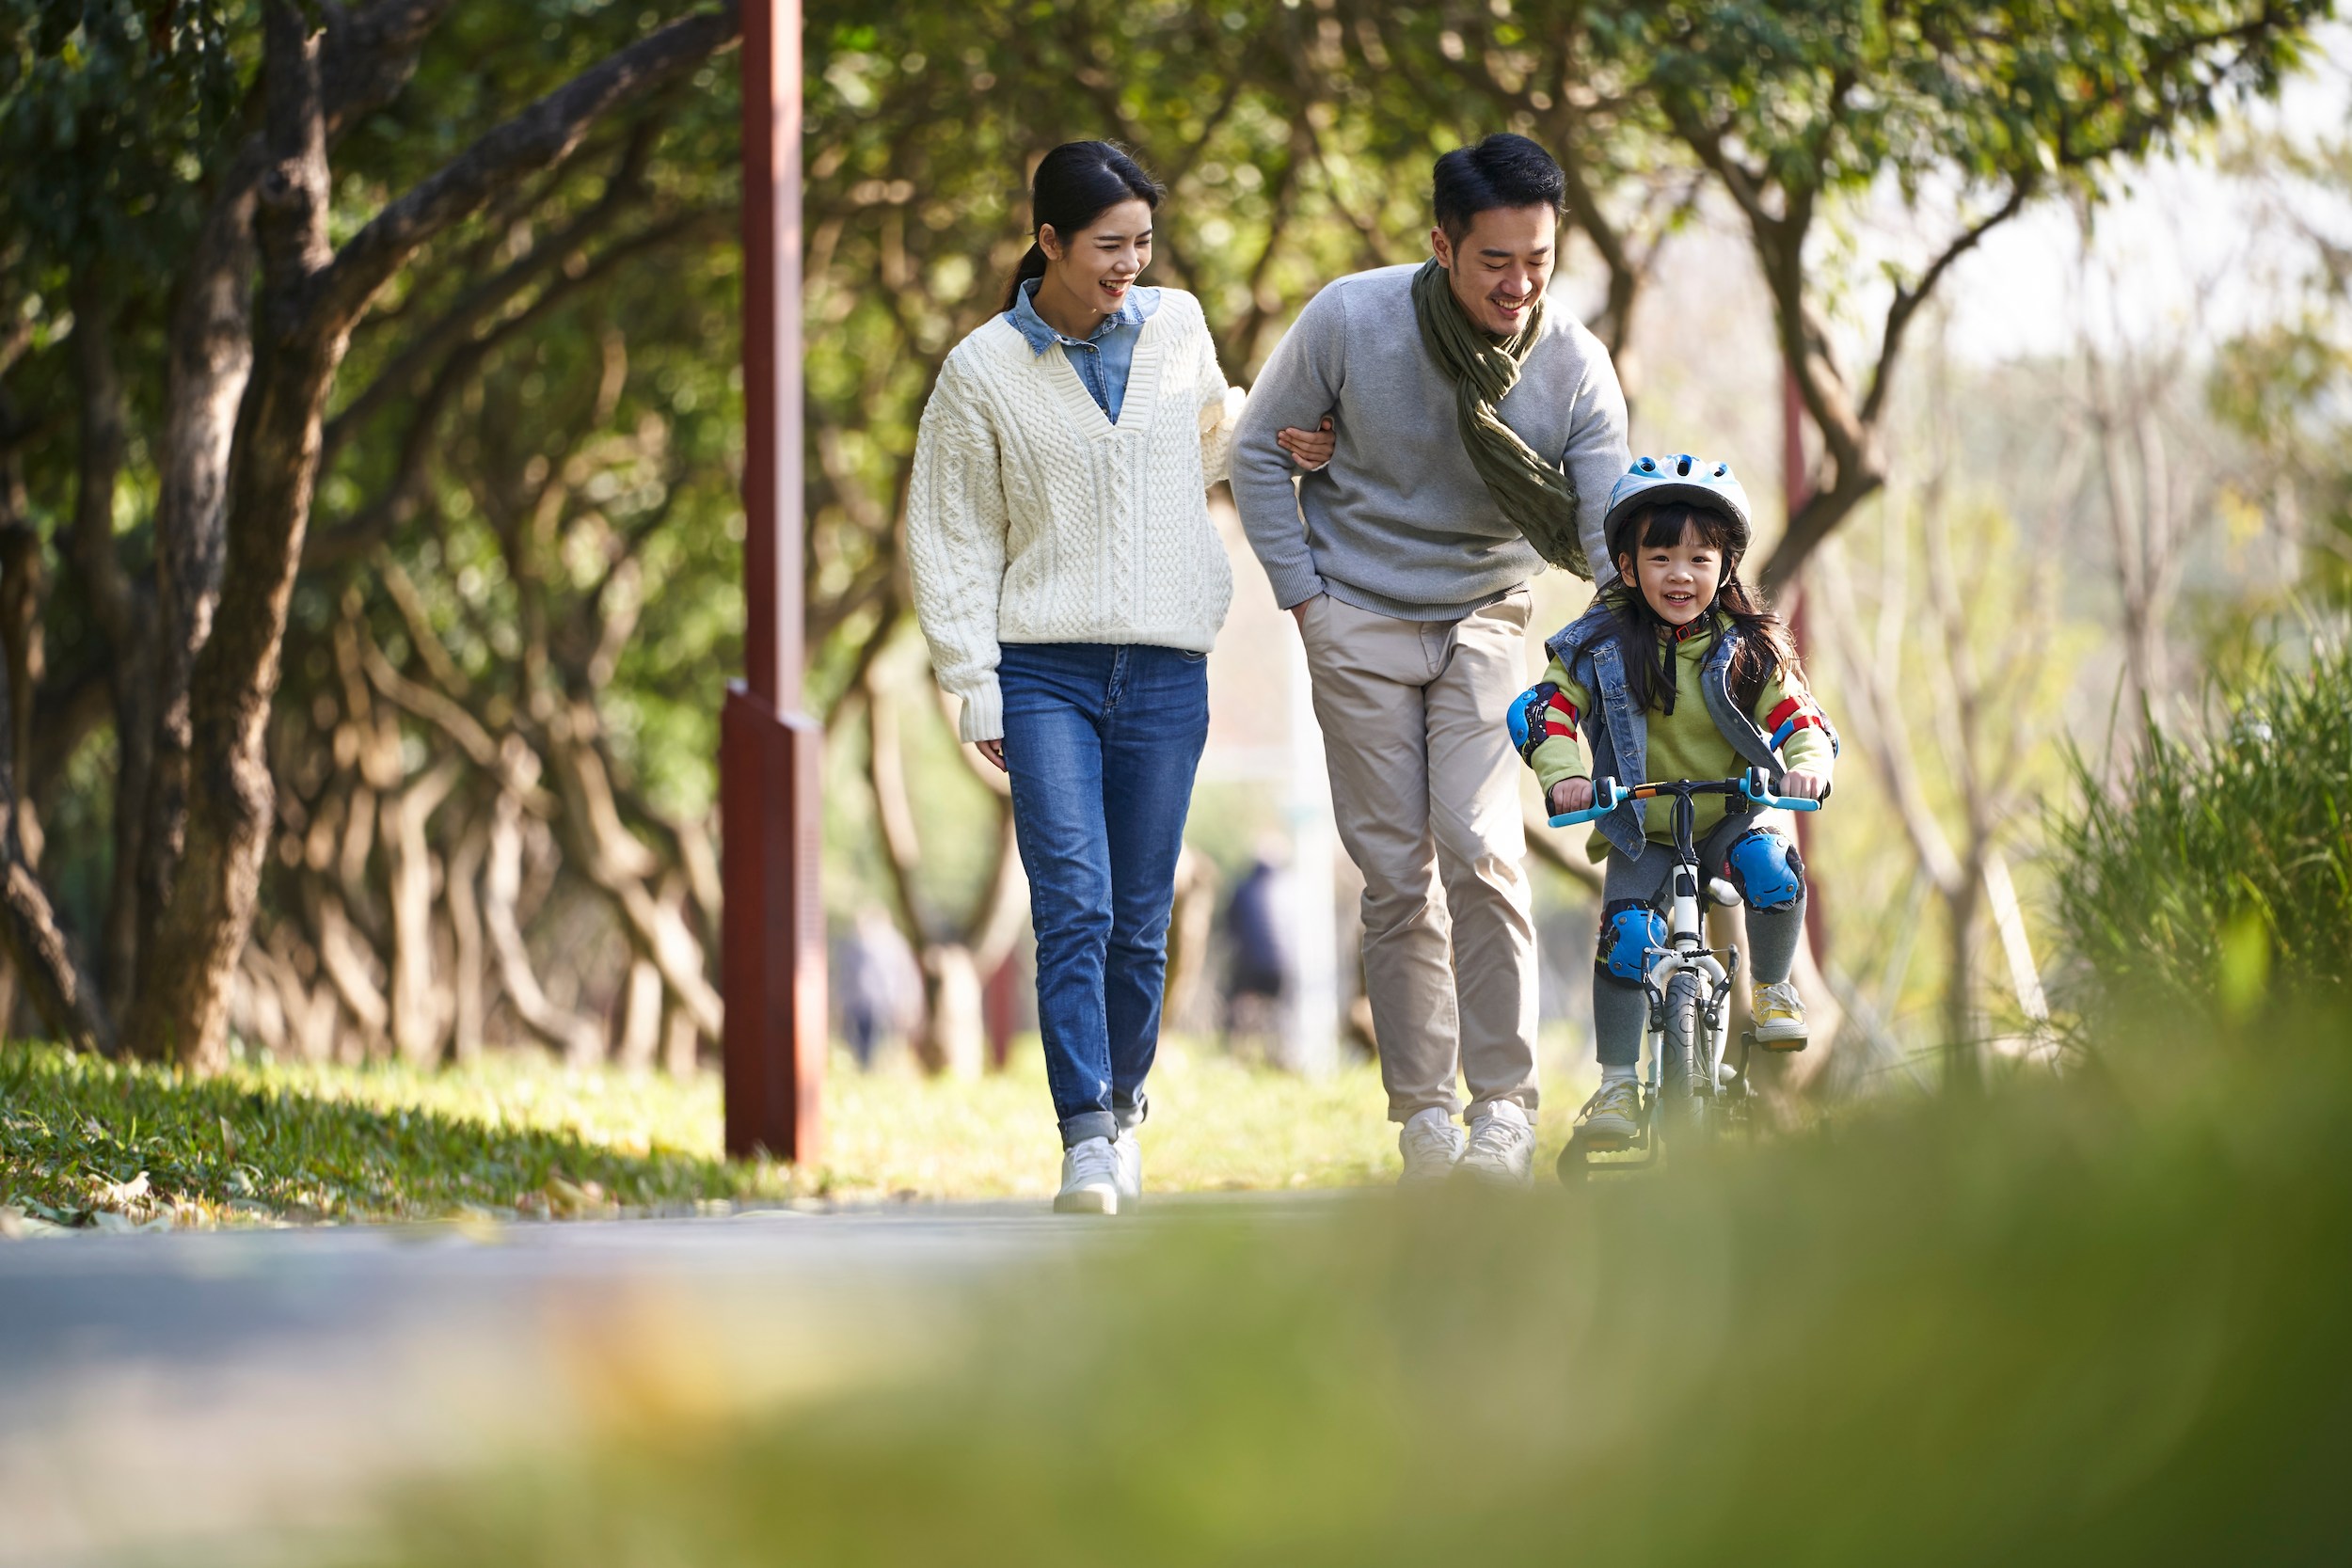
<point x="1430" y="1144"/>
<point x="1090" y="1179"/>
<point x="1127" y="1157"/>
<point x="1501" y="1148"/>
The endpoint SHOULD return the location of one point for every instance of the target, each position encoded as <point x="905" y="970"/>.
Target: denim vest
<point x="1587" y="650"/>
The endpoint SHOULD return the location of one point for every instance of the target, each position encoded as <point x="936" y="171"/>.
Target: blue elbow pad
<point x="1541" y="713"/>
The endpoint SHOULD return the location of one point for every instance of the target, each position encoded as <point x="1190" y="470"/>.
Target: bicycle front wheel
<point x="1681" y="1105"/>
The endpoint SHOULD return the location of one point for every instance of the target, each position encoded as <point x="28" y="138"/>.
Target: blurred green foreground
<point x="2100" y="1322"/>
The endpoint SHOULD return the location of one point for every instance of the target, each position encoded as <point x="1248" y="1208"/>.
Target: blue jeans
<point x="1101" y="744"/>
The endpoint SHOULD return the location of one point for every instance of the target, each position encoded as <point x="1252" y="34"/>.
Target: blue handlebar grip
<point x="1753" y="789"/>
<point x="1607" y="798"/>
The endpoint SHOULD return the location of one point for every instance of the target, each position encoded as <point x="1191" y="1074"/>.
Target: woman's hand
<point x="1570" y="795"/>
<point x="1804" y="786"/>
<point x="1309" y="448"/>
<point x="994" y="750"/>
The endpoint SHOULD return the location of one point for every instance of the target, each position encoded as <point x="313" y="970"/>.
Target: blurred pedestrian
<point x="881" y="987"/>
<point x="1261" y="971"/>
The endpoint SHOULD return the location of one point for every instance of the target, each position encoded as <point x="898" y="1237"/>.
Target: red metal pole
<point x="1796" y="488"/>
<point x="772" y="944"/>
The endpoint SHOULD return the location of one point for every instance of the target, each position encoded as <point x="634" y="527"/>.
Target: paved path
<point x="165" y="1394"/>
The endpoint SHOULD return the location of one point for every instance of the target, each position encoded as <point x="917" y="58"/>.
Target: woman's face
<point x="1678" y="579"/>
<point x="1094" y="269"/>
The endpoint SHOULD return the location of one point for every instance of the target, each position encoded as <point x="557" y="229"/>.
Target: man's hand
<point x="1298" y="611"/>
<point x="1570" y="795"/>
<point x="1309" y="448"/>
<point x="994" y="750"/>
<point x="1804" y="786"/>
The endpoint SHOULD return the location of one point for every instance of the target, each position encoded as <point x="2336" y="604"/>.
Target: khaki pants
<point x="1425" y="782"/>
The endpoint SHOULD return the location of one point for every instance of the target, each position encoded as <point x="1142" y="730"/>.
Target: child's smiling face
<point x="1679" y="578"/>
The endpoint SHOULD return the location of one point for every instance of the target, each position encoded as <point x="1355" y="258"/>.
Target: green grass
<point x="2089" y="1322"/>
<point x="2220" y="870"/>
<point x="86" y="1141"/>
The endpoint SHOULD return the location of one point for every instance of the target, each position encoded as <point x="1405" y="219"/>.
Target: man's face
<point x="1499" y="269"/>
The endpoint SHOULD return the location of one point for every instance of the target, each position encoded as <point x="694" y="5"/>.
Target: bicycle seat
<point x="1721" y="892"/>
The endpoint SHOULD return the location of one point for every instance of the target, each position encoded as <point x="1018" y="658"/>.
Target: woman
<point x="1070" y="584"/>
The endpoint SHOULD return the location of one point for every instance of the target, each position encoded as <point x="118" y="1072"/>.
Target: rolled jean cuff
<point x="1132" y="1116"/>
<point x="1087" y="1124"/>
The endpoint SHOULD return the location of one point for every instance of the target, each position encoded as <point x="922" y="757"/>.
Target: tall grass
<point x="2220" y="872"/>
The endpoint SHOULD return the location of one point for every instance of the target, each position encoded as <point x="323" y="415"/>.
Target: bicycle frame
<point x="1686" y="950"/>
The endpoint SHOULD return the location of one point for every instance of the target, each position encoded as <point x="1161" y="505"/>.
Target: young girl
<point x="1676" y="672"/>
<point x="1069" y="582"/>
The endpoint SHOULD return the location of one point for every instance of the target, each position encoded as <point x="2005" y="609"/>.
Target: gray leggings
<point x="1633" y="893"/>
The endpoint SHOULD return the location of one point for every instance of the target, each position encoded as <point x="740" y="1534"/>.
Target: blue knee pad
<point x="1628" y="929"/>
<point x="1766" y="869"/>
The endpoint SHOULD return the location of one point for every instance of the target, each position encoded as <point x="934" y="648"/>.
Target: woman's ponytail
<point x="1032" y="265"/>
<point x="1077" y="182"/>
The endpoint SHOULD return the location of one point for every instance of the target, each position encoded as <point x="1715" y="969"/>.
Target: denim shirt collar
<point x="1040" y="336"/>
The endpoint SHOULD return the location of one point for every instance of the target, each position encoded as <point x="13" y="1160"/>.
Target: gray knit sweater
<point x="1399" y="522"/>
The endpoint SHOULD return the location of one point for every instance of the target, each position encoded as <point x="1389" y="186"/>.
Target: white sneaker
<point x="1501" y="1148"/>
<point x="1090" y="1179"/>
<point x="1430" y="1144"/>
<point x="1127" y="1158"/>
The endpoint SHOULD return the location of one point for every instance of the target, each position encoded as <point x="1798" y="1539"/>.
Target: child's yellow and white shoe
<point x="1778" y="1013"/>
<point x="1611" y="1118"/>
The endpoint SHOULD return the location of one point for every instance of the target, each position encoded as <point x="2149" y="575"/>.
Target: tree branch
<point x="541" y="136"/>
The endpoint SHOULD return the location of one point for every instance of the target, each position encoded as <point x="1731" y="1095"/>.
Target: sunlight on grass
<point x="85" y="1141"/>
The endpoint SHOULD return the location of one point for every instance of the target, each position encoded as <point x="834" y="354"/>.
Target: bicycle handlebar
<point x="1608" y="795"/>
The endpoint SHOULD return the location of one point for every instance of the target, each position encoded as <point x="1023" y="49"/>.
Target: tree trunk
<point x="640" y="1017"/>
<point x="421" y="1014"/>
<point x="38" y="960"/>
<point x="1963" y="1058"/>
<point x="580" y="1039"/>
<point x="465" y="922"/>
<point x="211" y="352"/>
<point x="180" y="1009"/>
<point x="952" y="1039"/>
<point x="349" y="966"/>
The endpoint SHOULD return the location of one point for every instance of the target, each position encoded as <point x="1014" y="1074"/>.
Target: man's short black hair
<point x="1503" y="170"/>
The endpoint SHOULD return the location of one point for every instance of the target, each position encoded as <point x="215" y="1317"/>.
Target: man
<point x="1472" y="419"/>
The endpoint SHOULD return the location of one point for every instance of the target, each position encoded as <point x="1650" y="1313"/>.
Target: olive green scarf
<point x="1537" y="497"/>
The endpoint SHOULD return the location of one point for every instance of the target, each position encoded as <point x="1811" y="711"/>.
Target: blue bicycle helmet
<point x="1656" y="482"/>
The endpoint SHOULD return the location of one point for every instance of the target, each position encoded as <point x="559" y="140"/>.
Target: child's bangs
<point x="1667" y="525"/>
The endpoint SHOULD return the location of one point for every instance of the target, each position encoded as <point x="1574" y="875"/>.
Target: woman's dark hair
<point x="1649" y="655"/>
<point x="1075" y="183"/>
<point x="1503" y="170"/>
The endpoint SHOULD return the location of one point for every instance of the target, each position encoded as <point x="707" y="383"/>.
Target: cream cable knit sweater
<point x="1032" y="519"/>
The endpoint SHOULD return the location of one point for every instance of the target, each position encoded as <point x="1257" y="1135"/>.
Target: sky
<point x="2182" y="249"/>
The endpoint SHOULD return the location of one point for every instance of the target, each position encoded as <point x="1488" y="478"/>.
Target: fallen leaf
<point x="121" y="1195"/>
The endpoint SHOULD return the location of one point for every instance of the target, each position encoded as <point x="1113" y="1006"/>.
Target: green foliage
<point x="2287" y="387"/>
<point x="1830" y="95"/>
<point x="2099" y="1322"/>
<point x="109" y="109"/>
<point x="2218" y="874"/>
